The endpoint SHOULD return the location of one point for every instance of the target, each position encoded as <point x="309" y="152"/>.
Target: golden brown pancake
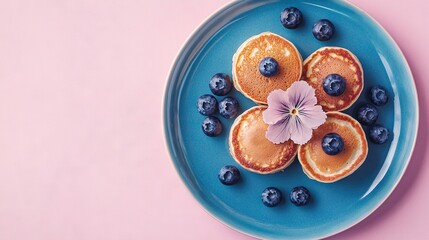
<point x="245" y="66"/>
<point x="330" y="168"/>
<point x="252" y="150"/>
<point x="329" y="60"/>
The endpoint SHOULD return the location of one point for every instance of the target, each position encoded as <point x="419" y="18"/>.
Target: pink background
<point x="82" y="153"/>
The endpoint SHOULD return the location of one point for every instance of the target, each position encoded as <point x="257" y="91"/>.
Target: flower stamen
<point x="294" y="111"/>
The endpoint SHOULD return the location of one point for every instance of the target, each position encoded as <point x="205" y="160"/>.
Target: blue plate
<point x="336" y="206"/>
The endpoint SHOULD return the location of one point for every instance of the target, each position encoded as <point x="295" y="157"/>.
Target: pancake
<point x="245" y="72"/>
<point x="252" y="150"/>
<point x="329" y="60"/>
<point x="330" y="168"/>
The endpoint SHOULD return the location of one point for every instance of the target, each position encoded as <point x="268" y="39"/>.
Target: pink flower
<point x="293" y="114"/>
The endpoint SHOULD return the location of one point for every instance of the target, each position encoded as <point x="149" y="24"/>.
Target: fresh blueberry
<point x="212" y="126"/>
<point x="367" y="114"/>
<point x="379" y="95"/>
<point x="334" y="84"/>
<point x="291" y="17"/>
<point x="378" y="134"/>
<point x="271" y="197"/>
<point x="332" y="144"/>
<point x="229" y="175"/>
<point x="268" y="67"/>
<point x="207" y="105"/>
<point x="220" y="84"/>
<point x="300" y="196"/>
<point x="228" y="107"/>
<point x="323" y="30"/>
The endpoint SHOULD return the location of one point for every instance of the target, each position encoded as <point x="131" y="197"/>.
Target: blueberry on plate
<point x="271" y="197"/>
<point x="332" y="144"/>
<point x="291" y="17"/>
<point x="378" y="134"/>
<point x="220" y="84"/>
<point x="367" y="114"/>
<point x="268" y="67"/>
<point x="212" y="126"/>
<point x="229" y="175"/>
<point x="228" y="107"/>
<point x="207" y="105"/>
<point x="378" y="95"/>
<point x="300" y="196"/>
<point x="323" y="30"/>
<point x="334" y="84"/>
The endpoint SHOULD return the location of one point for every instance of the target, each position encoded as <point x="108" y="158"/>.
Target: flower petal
<point x="279" y="132"/>
<point x="278" y="107"/>
<point x="301" y="94"/>
<point x="312" y="116"/>
<point x="300" y="134"/>
<point x="283" y="125"/>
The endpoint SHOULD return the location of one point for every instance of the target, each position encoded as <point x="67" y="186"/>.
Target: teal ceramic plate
<point x="336" y="206"/>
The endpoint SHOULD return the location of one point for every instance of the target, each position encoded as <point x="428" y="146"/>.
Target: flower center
<point x="294" y="111"/>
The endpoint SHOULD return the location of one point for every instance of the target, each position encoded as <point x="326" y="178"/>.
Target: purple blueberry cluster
<point x="207" y="105"/>
<point x="272" y="196"/>
<point x="292" y="17"/>
<point x="368" y="115"/>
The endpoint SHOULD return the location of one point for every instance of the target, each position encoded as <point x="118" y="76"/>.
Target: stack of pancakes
<point x="247" y="141"/>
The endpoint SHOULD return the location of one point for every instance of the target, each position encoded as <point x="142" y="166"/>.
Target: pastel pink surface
<point x="82" y="153"/>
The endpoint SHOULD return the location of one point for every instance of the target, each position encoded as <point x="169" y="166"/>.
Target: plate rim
<point x="172" y="161"/>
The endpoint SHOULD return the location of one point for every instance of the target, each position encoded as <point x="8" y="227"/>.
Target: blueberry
<point x="367" y="114"/>
<point x="332" y="144"/>
<point x="220" y="84"/>
<point x="207" y="105"/>
<point x="229" y="175"/>
<point x="334" y="84"/>
<point x="300" y="196"/>
<point x="271" y="197"/>
<point x="378" y="134"/>
<point x="268" y="67"/>
<point x="212" y="126"/>
<point x="228" y="107"/>
<point x="323" y="30"/>
<point x="378" y="95"/>
<point x="291" y="17"/>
